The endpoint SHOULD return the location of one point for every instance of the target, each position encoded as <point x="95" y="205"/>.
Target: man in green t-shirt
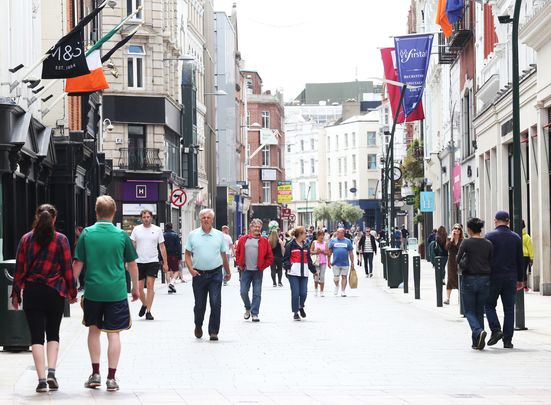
<point x="104" y="249"/>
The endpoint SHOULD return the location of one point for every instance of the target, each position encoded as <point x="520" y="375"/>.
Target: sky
<point x="294" y="42"/>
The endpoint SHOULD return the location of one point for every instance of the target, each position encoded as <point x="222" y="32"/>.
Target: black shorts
<point x="112" y="316"/>
<point x="148" y="270"/>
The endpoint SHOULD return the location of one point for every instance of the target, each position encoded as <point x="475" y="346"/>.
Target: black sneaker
<point x="52" y="383"/>
<point x="171" y="288"/>
<point x="214" y="336"/>
<point x="42" y="386"/>
<point x="296" y="317"/>
<point x="302" y="313"/>
<point x="481" y="340"/>
<point x="148" y="316"/>
<point x="280" y="285"/>
<point x="495" y="337"/>
<point x="275" y="285"/>
<point x="142" y="311"/>
<point x="507" y="345"/>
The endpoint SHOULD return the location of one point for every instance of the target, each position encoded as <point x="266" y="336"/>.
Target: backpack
<point x="431" y="252"/>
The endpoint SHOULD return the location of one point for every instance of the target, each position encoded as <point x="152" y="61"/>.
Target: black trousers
<point x="43" y="308"/>
<point x="277" y="269"/>
<point x="368" y="262"/>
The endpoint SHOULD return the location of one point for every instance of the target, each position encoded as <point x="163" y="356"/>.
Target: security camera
<point x="110" y="128"/>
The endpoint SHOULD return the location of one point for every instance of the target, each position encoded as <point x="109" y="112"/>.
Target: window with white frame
<point x="328" y="144"/>
<point x="312" y="144"/>
<point x="346" y="141"/>
<point x="312" y="166"/>
<point x="337" y="142"/>
<point x="353" y="139"/>
<point x="371" y="161"/>
<point x="248" y="123"/>
<point x="265" y="119"/>
<point x="247" y="153"/>
<point x="340" y="189"/>
<point x="302" y="145"/>
<point x="302" y="191"/>
<point x="289" y="148"/>
<point x="329" y="190"/>
<point x="354" y="185"/>
<point x="345" y="189"/>
<point x="372" y="188"/>
<point x="266" y="192"/>
<point x="328" y="165"/>
<point x="353" y="163"/>
<point x="131" y="6"/>
<point x="266" y="155"/>
<point x="371" y="138"/>
<point x="313" y="191"/>
<point x="345" y="165"/>
<point x="136" y="55"/>
<point x="340" y="166"/>
<point x="301" y="166"/>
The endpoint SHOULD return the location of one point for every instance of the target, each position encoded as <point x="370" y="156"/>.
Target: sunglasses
<point x="455" y="227"/>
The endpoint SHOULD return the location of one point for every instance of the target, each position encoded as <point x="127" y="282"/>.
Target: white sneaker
<point x="316" y="292"/>
<point x="247" y="314"/>
<point x="343" y="294"/>
<point x="336" y="292"/>
<point x="322" y="294"/>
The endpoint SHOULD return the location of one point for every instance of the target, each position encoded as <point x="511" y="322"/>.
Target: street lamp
<point x="307" y="217"/>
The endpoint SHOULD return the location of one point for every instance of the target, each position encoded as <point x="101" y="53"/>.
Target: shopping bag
<point x="353" y="279"/>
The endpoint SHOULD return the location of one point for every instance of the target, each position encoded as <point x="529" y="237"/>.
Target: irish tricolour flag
<point x="93" y="81"/>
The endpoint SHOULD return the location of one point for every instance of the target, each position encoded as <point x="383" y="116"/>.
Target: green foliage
<point x="412" y="164"/>
<point x="341" y="211"/>
<point x="322" y="212"/>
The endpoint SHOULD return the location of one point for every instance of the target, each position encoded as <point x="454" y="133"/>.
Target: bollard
<point x="417" y="276"/>
<point x="438" y="276"/>
<point x="459" y="281"/>
<point x="405" y="271"/>
<point x="383" y="258"/>
<point x="519" y="311"/>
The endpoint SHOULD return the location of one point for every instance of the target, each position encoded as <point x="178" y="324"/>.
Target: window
<point x="301" y="166"/>
<point x="302" y="145"/>
<point x="136" y="146"/>
<point x="312" y="144"/>
<point x="135" y="66"/>
<point x="372" y="188"/>
<point x="172" y="161"/>
<point x="371" y="161"/>
<point x="265" y="119"/>
<point x="302" y="191"/>
<point x="353" y="139"/>
<point x="329" y="190"/>
<point x="340" y="166"/>
<point x="289" y="148"/>
<point x="249" y="85"/>
<point x="312" y="166"/>
<point x="328" y="144"/>
<point x="248" y="123"/>
<point x="313" y="191"/>
<point x="266" y="155"/>
<point x="371" y="138"/>
<point x="340" y="190"/>
<point x="266" y="192"/>
<point x="346" y="140"/>
<point x="345" y="189"/>
<point x="337" y="141"/>
<point x="131" y="6"/>
<point x="328" y="165"/>
<point x="247" y="152"/>
<point x="354" y="185"/>
<point x="466" y="124"/>
<point x="353" y="163"/>
<point x="345" y="165"/>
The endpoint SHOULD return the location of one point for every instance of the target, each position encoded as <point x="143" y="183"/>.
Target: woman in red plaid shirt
<point x="45" y="275"/>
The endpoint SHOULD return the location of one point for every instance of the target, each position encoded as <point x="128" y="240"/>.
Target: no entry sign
<point x="178" y="197"/>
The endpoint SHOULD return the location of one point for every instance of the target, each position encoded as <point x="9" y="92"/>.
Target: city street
<point x="375" y="346"/>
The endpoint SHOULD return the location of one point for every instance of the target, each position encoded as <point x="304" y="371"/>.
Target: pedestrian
<point x="318" y="252"/>
<point x="475" y="259"/>
<point x="452" y="247"/>
<point x="396" y="238"/>
<point x="440" y="248"/>
<point x="277" y="244"/>
<point x="432" y="236"/>
<point x="368" y="247"/>
<point x="173" y="247"/>
<point x="527" y="253"/>
<point x="297" y="263"/>
<point x="405" y="235"/>
<point x="229" y="246"/>
<point x="44" y="273"/>
<point x="104" y="249"/>
<point x="205" y="257"/>
<point x="341" y="260"/>
<point x="253" y="255"/>
<point x="148" y="239"/>
<point x="506" y="277"/>
<point x="356" y="241"/>
<point x="81" y="282"/>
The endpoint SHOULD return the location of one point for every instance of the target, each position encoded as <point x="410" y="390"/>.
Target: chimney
<point x="350" y="108"/>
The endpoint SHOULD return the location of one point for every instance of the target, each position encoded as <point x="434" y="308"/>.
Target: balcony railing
<point x="446" y="55"/>
<point x="462" y="30"/>
<point x="139" y="159"/>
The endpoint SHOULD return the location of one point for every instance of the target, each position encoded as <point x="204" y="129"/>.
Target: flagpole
<point x="57" y="100"/>
<point x="16" y="82"/>
<point x="46" y="88"/>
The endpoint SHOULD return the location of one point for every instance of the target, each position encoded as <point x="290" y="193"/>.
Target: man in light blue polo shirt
<point x="205" y="256"/>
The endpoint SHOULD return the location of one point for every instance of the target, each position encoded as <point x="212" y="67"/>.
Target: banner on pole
<point x="388" y="56"/>
<point x="427" y="201"/>
<point x="412" y="63"/>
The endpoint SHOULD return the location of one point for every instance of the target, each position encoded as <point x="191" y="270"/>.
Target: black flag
<point x="67" y="57"/>
<point x="120" y="44"/>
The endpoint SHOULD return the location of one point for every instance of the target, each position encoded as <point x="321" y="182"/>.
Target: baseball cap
<point x="502" y="216"/>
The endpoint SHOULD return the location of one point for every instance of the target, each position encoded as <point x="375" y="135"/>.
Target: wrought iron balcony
<point x="139" y="159"/>
<point x="462" y="30"/>
<point x="446" y="55"/>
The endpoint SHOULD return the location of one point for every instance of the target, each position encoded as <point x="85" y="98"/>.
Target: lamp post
<point x="307" y="217"/>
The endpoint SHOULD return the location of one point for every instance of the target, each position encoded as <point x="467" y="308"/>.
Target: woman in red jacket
<point x="297" y="263"/>
<point x="44" y="273"/>
<point x="253" y="255"/>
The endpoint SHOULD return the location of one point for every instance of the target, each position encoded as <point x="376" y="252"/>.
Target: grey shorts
<point x="340" y="270"/>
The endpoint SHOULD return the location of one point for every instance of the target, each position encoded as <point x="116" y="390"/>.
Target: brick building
<point x="265" y="146"/>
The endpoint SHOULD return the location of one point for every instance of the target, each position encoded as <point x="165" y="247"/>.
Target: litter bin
<point x="14" y="333"/>
<point x="394" y="267"/>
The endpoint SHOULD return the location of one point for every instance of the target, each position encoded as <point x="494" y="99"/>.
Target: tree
<point x="322" y="213"/>
<point x="341" y="211"/>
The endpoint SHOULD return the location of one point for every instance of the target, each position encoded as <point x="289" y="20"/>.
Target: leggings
<point x="43" y="308"/>
<point x="276" y="268"/>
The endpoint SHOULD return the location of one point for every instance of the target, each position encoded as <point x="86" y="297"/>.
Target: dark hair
<point x="441" y="235"/>
<point x="475" y="224"/>
<point x="146" y="211"/>
<point x="168" y="226"/>
<point x="523" y="224"/>
<point x="43" y="225"/>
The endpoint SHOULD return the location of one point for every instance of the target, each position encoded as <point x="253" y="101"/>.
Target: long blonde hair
<point x="273" y="238"/>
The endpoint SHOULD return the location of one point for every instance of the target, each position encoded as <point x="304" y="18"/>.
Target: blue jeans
<point x="506" y="287"/>
<point x="299" y="290"/>
<point x="254" y="277"/>
<point x="208" y="284"/>
<point x="474" y="293"/>
<point x="368" y="262"/>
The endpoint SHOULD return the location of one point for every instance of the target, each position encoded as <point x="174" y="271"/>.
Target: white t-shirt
<point x="147" y="240"/>
<point x="229" y="243"/>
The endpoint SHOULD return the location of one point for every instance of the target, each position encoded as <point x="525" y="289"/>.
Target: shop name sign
<point x="136" y="191"/>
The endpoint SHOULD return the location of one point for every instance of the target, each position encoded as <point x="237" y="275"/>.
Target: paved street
<point x="375" y="346"/>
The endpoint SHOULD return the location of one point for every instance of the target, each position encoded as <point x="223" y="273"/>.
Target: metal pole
<point x="405" y="271"/>
<point x="517" y="199"/>
<point x="417" y="276"/>
<point x="438" y="277"/>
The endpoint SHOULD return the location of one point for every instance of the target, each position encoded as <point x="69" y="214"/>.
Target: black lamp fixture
<point x="505" y="19"/>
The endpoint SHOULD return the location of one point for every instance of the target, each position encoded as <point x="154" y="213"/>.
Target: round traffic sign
<point x="178" y="197"/>
<point x="292" y="217"/>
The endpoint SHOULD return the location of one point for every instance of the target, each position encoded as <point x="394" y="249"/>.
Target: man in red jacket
<point x="253" y="255"/>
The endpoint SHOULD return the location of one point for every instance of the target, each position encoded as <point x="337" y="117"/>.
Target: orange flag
<point x="442" y="18"/>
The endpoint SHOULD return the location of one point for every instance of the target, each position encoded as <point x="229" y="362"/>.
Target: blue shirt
<point x="172" y="244"/>
<point x="206" y="248"/>
<point x="340" y="249"/>
<point x="507" y="259"/>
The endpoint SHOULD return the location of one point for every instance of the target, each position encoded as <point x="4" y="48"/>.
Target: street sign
<point x="427" y="201"/>
<point x="401" y="213"/>
<point x="285" y="212"/>
<point x="178" y="197"/>
<point x="410" y="199"/>
<point x="292" y="217"/>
